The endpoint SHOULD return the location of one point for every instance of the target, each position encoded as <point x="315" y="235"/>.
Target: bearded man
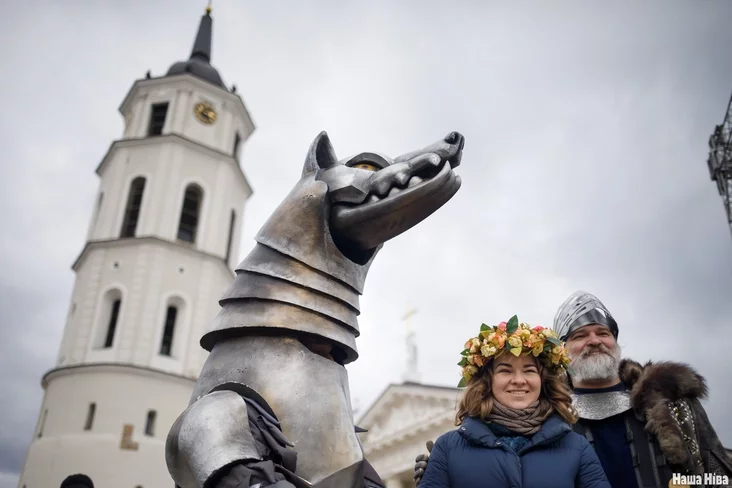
<point x="646" y="423"/>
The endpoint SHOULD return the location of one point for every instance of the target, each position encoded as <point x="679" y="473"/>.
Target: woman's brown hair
<point x="477" y="400"/>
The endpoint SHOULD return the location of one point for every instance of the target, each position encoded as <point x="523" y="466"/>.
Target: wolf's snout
<point x="454" y="137"/>
<point x="456" y="143"/>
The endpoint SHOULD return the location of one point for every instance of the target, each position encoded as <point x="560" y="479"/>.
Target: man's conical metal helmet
<point x="581" y="309"/>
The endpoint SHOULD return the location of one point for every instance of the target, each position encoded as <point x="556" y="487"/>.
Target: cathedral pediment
<point x="404" y="410"/>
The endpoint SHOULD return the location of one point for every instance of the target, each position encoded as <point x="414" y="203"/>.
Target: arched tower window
<point x="237" y="142"/>
<point x="150" y="422"/>
<point x="42" y="423"/>
<point x="190" y="213"/>
<point x="98" y="208"/>
<point x="166" y="343"/>
<point x="90" y="416"/>
<point x="112" y="325"/>
<point x="232" y="220"/>
<point x="109" y="319"/>
<point x="158" y="112"/>
<point x="132" y="210"/>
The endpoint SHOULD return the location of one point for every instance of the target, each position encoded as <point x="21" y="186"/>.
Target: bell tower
<point x="160" y="250"/>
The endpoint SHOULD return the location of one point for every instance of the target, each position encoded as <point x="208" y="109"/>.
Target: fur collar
<point x="652" y="387"/>
<point x="654" y="382"/>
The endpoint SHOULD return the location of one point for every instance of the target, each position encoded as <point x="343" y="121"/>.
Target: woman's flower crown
<point x="517" y="338"/>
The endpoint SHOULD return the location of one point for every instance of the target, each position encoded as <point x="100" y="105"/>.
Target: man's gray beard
<point x="597" y="366"/>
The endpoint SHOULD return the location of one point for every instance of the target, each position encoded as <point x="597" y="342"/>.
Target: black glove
<point x="420" y="463"/>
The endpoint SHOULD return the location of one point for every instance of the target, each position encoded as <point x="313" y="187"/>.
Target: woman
<point x="514" y="418"/>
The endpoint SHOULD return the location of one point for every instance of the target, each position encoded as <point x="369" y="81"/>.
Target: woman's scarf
<point x="525" y="421"/>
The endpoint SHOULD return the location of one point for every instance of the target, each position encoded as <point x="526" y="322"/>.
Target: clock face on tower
<point x="205" y="113"/>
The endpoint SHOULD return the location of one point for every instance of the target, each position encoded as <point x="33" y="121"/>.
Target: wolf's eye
<point x="366" y="166"/>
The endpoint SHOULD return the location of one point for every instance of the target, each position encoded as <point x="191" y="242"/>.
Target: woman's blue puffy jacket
<point x="472" y="457"/>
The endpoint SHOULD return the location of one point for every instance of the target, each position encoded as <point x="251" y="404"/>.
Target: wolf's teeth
<point x="414" y="180"/>
<point x="372" y="198"/>
<point x="393" y="191"/>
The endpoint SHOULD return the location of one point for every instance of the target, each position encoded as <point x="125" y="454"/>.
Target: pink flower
<point x="502" y="326"/>
<point x="538" y="328"/>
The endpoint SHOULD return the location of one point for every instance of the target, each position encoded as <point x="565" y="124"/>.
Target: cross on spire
<point x="411" y="373"/>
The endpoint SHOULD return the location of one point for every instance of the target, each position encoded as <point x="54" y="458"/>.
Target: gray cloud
<point x="584" y="165"/>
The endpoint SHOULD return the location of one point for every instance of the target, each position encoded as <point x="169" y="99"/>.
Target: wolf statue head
<point x="314" y="252"/>
<point x="297" y="291"/>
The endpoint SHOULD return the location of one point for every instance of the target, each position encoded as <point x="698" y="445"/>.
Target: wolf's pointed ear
<point x="321" y="155"/>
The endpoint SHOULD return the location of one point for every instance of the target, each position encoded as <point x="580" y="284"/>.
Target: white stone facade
<point x="148" y="274"/>
<point x="182" y="93"/>
<point x="188" y="152"/>
<point x="122" y="395"/>
<point x="144" y="294"/>
<point x="399" y="424"/>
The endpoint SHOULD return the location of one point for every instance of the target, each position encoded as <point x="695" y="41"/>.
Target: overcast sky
<point x="584" y="167"/>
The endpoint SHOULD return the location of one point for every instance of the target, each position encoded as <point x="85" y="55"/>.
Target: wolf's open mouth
<point x="359" y="229"/>
<point x="376" y="198"/>
<point x="422" y="178"/>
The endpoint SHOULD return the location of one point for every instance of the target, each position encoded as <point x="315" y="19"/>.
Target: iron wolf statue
<point x="272" y="404"/>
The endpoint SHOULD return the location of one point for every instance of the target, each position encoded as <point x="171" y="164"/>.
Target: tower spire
<point x="202" y="45"/>
<point x="199" y="63"/>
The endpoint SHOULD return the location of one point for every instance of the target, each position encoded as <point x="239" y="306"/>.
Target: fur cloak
<point x="667" y="396"/>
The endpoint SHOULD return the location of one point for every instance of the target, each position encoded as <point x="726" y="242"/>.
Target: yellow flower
<point x="525" y="333"/>
<point x="515" y="341"/>
<point x="538" y="348"/>
<point x="488" y="350"/>
<point x="469" y="370"/>
<point x="471" y="358"/>
<point x="474" y="345"/>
